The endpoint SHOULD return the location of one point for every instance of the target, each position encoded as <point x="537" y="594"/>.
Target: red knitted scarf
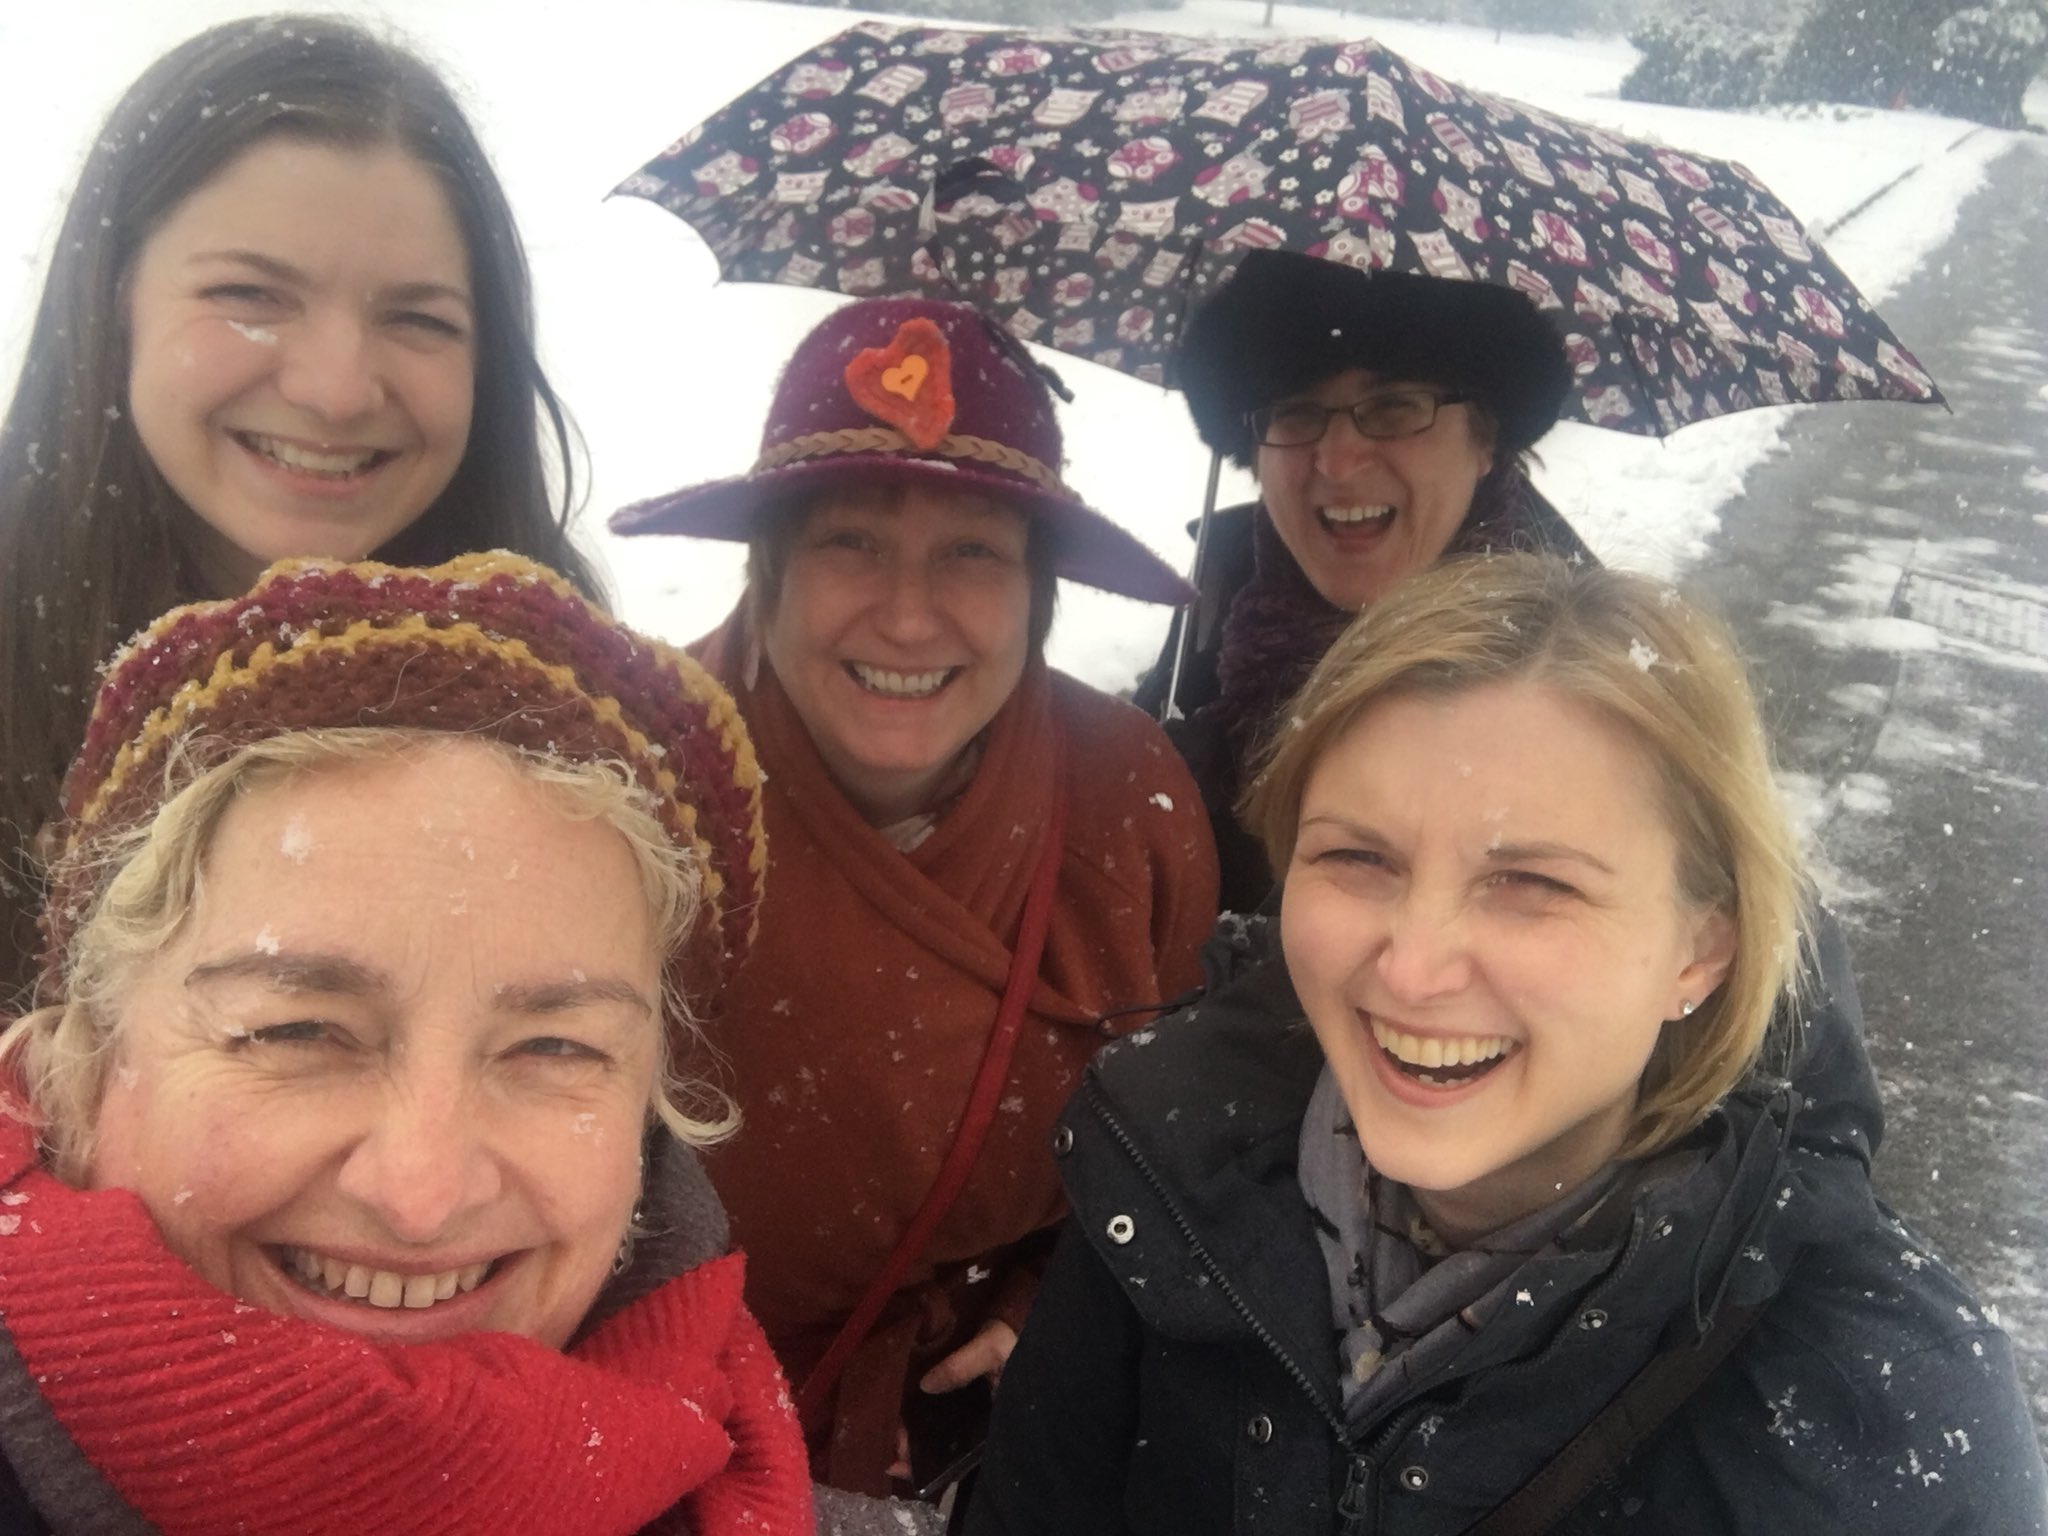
<point x="210" y="1417"/>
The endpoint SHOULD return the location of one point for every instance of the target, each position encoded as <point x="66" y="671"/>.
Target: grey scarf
<point x="1402" y="1302"/>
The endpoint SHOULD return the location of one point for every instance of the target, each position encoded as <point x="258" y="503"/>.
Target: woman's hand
<point x="982" y="1355"/>
<point x="979" y="1356"/>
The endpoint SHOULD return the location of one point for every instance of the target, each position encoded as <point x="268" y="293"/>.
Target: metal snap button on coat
<point x="1415" y="1479"/>
<point x="1062" y="1141"/>
<point x="1662" y="1230"/>
<point x="1592" y="1317"/>
<point x="1259" y="1430"/>
<point x="1122" y="1229"/>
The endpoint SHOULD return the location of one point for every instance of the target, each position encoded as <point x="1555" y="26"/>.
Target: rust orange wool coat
<point x="854" y="1029"/>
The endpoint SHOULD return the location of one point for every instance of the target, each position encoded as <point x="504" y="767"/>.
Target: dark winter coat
<point x="1179" y="1374"/>
<point x="1518" y="517"/>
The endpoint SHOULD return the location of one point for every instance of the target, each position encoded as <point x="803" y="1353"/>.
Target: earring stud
<point x="1687" y="1007"/>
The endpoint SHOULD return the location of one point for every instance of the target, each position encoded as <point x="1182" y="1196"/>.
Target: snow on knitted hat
<point x="916" y="391"/>
<point x="489" y="645"/>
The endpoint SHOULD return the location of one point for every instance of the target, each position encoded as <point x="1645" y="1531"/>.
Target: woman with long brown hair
<point x="288" y="314"/>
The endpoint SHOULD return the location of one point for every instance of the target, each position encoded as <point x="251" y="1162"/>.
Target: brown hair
<point x="778" y="524"/>
<point x="1667" y="673"/>
<point x="92" y="539"/>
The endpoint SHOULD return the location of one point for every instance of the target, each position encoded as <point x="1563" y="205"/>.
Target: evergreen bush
<point x="1040" y="13"/>
<point x="1986" y="56"/>
<point x="1701" y="60"/>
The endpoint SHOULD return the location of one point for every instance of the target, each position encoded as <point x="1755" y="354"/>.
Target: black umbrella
<point x="1088" y="189"/>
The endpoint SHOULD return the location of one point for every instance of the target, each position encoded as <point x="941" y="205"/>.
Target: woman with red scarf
<point x="981" y="868"/>
<point x="347" y="1180"/>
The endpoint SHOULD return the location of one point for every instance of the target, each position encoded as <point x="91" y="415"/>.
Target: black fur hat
<point x="1284" y="321"/>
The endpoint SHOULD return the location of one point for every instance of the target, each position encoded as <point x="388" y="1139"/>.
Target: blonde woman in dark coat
<point x="1478" y="1152"/>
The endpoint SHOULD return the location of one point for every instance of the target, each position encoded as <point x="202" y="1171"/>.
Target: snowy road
<point x="1889" y="577"/>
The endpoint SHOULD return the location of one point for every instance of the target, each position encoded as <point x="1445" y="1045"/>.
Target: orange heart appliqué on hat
<point x="908" y="384"/>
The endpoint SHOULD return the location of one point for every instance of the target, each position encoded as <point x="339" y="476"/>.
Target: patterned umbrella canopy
<point x="1088" y="189"/>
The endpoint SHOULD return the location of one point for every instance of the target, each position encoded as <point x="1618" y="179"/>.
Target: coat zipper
<point x="1230" y="1294"/>
<point x="1354" y="1509"/>
<point x="1355" y="1504"/>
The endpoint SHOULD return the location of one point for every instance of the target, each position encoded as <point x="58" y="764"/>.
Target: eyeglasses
<point x="1399" y="412"/>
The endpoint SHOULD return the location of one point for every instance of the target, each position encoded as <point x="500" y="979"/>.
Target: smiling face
<point x="1483" y="922"/>
<point x="1361" y="515"/>
<point x="901" y="628"/>
<point x="393" y="1071"/>
<point x="302" y="353"/>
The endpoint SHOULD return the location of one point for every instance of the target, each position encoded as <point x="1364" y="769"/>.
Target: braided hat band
<point x="488" y="645"/>
<point x="822" y="445"/>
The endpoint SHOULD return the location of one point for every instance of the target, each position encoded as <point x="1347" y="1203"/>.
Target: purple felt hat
<point x="914" y="390"/>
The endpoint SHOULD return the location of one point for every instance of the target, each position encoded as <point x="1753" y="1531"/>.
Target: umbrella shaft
<point x="1170" y="708"/>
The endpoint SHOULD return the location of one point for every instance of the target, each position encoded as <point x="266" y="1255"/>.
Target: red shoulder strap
<point x="974" y="1122"/>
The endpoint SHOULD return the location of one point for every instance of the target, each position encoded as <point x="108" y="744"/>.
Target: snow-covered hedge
<point x="1026" y="12"/>
<point x="1987" y="56"/>
<point x="1698" y="60"/>
<point x="1973" y="61"/>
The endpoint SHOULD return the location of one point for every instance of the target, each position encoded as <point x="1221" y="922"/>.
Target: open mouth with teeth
<point x="900" y="685"/>
<point x="327" y="464"/>
<point x="1367" y="517"/>
<point x="1440" y="1061"/>
<point x="338" y="1280"/>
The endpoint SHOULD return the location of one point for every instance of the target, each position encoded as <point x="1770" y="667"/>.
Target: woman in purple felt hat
<point x="980" y="868"/>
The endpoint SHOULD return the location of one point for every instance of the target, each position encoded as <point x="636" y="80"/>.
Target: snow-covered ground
<point x="668" y="374"/>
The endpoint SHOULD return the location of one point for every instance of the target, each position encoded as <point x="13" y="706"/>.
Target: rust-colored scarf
<point x="855" y="1027"/>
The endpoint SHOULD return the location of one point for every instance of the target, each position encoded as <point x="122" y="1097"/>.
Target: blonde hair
<point x="144" y="882"/>
<point x="1632" y="649"/>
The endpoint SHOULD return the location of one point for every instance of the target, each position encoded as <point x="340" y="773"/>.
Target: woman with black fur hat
<point x="1388" y="418"/>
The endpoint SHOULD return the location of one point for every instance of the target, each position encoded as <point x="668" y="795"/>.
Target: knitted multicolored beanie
<point x="489" y="645"/>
